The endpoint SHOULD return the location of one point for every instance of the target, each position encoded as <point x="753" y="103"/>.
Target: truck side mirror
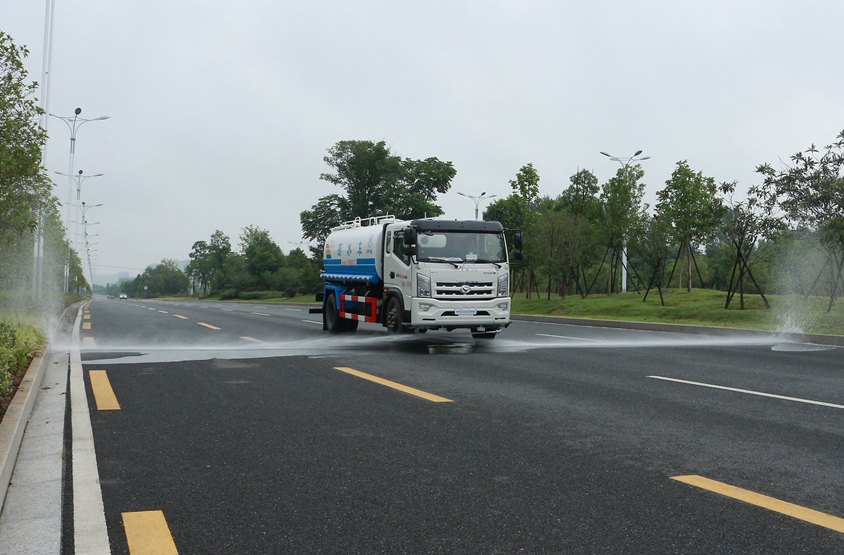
<point x="517" y="240"/>
<point x="410" y="237"/>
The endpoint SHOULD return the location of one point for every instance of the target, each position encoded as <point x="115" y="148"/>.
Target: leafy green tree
<point x="580" y="198"/>
<point x="263" y="256"/>
<point x="206" y="268"/>
<point x="622" y="214"/>
<point x="376" y="182"/>
<point x="810" y="192"/>
<point x="165" y="278"/>
<point x="690" y="205"/>
<point x="23" y="184"/>
<point x="526" y="184"/>
<point x="511" y="212"/>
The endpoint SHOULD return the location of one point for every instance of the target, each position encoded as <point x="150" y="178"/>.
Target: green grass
<point x="701" y="307"/>
<point x="20" y="338"/>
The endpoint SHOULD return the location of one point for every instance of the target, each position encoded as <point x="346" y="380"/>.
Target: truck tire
<point x="394" y="317"/>
<point x="332" y="321"/>
<point x="331" y="317"/>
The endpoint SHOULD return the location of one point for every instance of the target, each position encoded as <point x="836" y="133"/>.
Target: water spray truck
<point x="415" y="276"/>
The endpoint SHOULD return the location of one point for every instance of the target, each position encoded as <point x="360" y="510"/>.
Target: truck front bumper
<point x="433" y="313"/>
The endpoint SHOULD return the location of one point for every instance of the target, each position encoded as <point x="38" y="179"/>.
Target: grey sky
<point x="221" y="112"/>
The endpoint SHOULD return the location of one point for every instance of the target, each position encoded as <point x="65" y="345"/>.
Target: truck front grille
<point x="456" y="290"/>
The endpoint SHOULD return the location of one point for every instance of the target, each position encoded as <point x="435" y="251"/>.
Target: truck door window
<point x="398" y="248"/>
<point x="389" y="242"/>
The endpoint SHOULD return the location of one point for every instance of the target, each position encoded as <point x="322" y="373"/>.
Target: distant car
<point x="124" y="296"/>
<point x="109" y="297"/>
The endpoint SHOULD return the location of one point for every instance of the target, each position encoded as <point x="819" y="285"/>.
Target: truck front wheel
<point x="394" y="317"/>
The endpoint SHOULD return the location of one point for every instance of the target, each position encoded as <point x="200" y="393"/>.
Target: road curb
<point x="820" y="339"/>
<point x="14" y="422"/>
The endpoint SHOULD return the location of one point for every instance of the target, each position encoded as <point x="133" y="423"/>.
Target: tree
<point x="376" y="182"/>
<point x="652" y="244"/>
<point x="263" y="256"/>
<point x="810" y="191"/>
<point x="621" y="199"/>
<point x="207" y="261"/>
<point x="743" y="224"/>
<point x="691" y="208"/>
<point x="580" y="198"/>
<point x="166" y="278"/>
<point x="23" y="184"/>
<point x="526" y="184"/>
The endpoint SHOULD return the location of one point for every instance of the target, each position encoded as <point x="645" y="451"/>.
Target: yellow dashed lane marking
<point x="180" y="316"/>
<point x="103" y="394"/>
<point x="770" y="503"/>
<point x="86" y="325"/>
<point x="147" y="533"/>
<point x="209" y="326"/>
<point x="86" y="316"/>
<point x="394" y="385"/>
<point x="163" y="312"/>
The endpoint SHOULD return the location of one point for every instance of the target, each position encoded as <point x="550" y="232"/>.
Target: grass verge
<point x="21" y="338"/>
<point x="701" y="307"/>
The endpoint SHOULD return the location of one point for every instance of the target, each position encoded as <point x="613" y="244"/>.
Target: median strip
<point x="770" y="503"/>
<point x="394" y="385"/>
<point x="103" y="393"/>
<point x="147" y="533"/>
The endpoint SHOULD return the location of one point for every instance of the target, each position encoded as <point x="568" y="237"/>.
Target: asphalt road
<point x="237" y="425"/>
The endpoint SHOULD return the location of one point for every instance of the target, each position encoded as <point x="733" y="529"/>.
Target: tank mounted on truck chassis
<point x="412" y="276"/>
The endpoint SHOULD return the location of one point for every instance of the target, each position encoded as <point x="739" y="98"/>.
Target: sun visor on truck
<point x="458" y="225"/>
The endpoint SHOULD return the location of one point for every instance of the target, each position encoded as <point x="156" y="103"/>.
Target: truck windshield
<point x="448" y="246"/>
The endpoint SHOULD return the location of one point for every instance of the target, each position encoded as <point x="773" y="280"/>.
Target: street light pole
<point x="625" y="165"/>
<point x="87" y="245"/>
<point x="477" y="199"/>
<point x="73" y="124"/>
<point x="80" y="179"/>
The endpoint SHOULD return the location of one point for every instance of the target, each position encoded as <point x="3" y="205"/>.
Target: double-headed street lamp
<point x="73" y="123"/>
<point x="85" y="237"/>
<point x="80" y="179"/>
<point x="625" y="166"/>
<point x="477" y="199"/>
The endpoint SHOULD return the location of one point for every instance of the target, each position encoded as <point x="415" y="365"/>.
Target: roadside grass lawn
<point x="701" y="307"/>
<point x="20" y="338"/>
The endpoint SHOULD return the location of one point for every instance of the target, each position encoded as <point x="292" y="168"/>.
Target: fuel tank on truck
<point x="355" y="249"/>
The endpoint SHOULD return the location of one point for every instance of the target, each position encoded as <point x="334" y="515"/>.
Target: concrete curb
<point x="820" y="339"/>
<point x="14" y="422"/>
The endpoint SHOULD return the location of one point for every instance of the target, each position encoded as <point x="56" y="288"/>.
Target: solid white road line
<point x="567" y="337"/>
<point x="89" y="526"/>
<point x="749" y="392"/>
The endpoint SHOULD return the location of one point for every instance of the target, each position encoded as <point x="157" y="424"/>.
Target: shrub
<point x="228" y="294"/>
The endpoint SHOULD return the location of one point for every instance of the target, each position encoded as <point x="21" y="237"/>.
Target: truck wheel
<point x="332" y="321"/>
<point x="394" y="317"/>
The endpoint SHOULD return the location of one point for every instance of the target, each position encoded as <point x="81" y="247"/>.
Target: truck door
<point x="397" y="271"/>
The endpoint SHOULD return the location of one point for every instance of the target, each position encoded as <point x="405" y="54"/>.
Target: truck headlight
<point x="504" y="285"/>
<point x="423" y="286"/>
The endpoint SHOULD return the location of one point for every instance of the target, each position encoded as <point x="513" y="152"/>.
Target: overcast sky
<point x="221" y="112"/>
